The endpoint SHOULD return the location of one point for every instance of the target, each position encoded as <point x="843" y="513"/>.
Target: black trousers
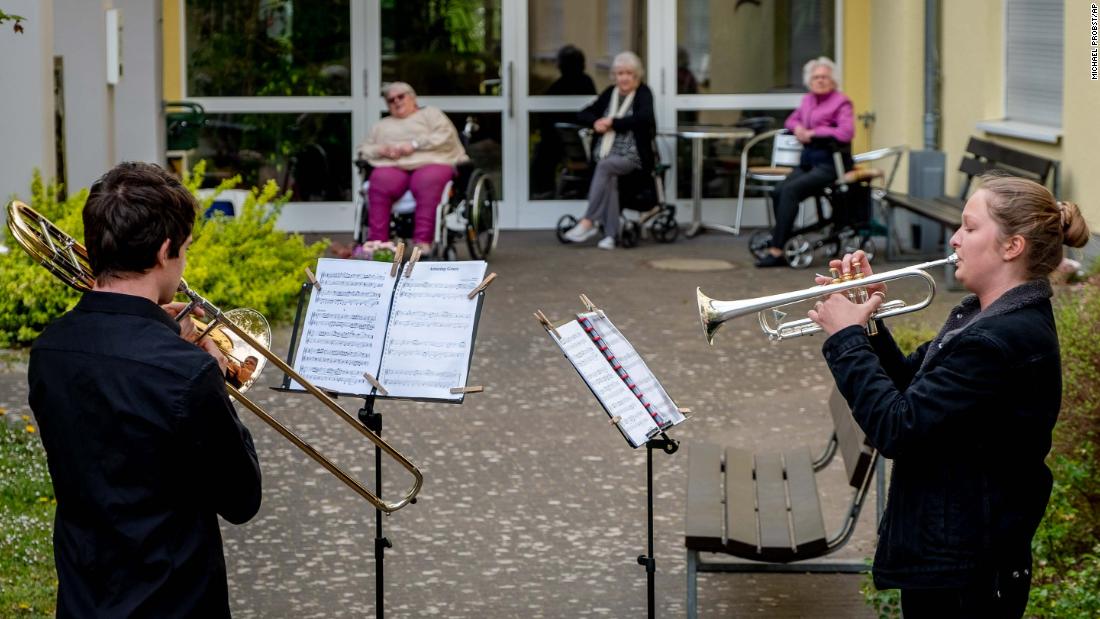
<point x="787" y="195"/>
<point x="1001" y="596"/>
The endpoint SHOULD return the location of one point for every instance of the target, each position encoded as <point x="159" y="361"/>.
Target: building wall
<point x="973" y="88"/>
<point x="26" y="131"/>
<point x="80" y="40"/>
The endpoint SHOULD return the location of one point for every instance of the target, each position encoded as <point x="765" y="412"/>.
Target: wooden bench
<point x="765" y="507"/>
<point x="983" y="156"/>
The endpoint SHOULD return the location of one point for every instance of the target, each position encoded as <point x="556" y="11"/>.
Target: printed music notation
<point x="345" y="324"/>
<point x="663" y="410"/>
<point x="414" y="333"/>
<point x="430" y="336"/>
<point x="619" y="401"/>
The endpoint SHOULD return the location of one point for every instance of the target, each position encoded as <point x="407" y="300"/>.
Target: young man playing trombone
<point x="144" y="448"/>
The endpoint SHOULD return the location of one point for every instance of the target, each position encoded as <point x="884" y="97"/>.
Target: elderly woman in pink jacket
<point x="823" y="123"/>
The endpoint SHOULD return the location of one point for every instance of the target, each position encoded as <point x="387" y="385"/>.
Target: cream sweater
<point x="435" y="136"/>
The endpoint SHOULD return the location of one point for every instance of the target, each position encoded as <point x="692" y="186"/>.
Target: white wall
<point x="26" y="107"/>
<point x="139" y="119"/>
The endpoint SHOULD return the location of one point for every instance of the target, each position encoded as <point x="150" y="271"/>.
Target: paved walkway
<point x="533" y="506"/>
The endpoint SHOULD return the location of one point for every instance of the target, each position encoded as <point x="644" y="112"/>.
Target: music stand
<point x="372" y="420"/>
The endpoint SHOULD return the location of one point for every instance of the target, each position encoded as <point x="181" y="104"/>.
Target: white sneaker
<point x="579" y="234"/>
<point x="607" y="242"/>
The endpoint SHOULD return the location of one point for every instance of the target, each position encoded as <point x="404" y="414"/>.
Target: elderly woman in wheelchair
<point x="623" y="118"/>
<point x="413" y="149"/>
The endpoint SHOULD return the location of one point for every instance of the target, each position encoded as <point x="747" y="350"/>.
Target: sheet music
<point x="345" y="325"/>
<point x="609" y="389"/>
<point x="430" y="337"/>
<point x="663" y="406"/>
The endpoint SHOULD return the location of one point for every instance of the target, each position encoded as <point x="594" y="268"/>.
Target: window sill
<point x="1022" y="130"/>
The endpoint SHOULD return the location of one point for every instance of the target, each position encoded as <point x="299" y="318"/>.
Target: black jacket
<point x="640" y="120"/>
<point x="967" y="420"/>
<point x="145" y="450"/>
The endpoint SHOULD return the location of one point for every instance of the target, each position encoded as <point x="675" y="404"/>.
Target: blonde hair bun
<point x="1075" y="232"/>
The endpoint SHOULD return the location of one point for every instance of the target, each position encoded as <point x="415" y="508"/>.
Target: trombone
<point x="241" y="334"/>
<point x="714" y="314"/>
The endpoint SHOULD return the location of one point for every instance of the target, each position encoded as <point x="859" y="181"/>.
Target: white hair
<point x="628" y="60"/>
<point x="821" y="61"/>
<point x="394" y="88"/>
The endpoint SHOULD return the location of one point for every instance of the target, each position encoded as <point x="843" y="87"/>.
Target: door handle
<point x="511" y="87"/>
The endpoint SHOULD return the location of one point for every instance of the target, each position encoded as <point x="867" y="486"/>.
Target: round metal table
<point x="698" y="135"/>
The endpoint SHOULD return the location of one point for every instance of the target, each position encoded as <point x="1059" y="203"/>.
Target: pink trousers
<point x="387" y="184"/>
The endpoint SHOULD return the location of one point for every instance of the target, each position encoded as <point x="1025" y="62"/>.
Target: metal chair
<point x="786" y="153"/>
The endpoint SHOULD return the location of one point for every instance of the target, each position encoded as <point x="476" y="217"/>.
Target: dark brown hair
<point x="1024" y="207"/>
<point x="130" y="211"/>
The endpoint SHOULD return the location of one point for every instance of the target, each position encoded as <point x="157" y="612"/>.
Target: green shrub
<point x="240" y="261"/>
<point x="244" y="261"/>
<point x="30" y="296"/>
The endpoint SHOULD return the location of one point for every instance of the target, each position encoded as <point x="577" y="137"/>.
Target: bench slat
<point x="771" y="501"/>
<point x="943" y="210"/>
<point x="806" y="518"/>
<point x="851" y="441"/>
<point x="741" y="527"/>
<point x="703" y="526"/>
<point x="1025" y="162"/>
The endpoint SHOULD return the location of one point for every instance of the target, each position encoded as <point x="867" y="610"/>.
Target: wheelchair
<point x="468" y="209"/>
<point x="642" y="207"/>
<point x="848" y="225"/>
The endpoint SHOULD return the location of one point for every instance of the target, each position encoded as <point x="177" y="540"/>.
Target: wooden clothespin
<point x="412" y="261"/>
<point x="683" y="410"/>
<point x="374" y="383"/>
<point x="614" y="420"/>
<point x="482" y="286"/>
<point x="470" y="389"/>
<point x="590" y="306"/>
<point x="313" y="280"/>
<point x="398" y="254"/>
<point x="546" y="324"/>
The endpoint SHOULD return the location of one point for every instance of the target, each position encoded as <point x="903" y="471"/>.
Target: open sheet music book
<point x="624" y="385"/>
<point x="414" y="333"/>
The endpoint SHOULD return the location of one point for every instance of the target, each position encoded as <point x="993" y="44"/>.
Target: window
<point x="1034" y="33"/>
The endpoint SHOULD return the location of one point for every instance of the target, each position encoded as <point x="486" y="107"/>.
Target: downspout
<point x="931" y="74"/>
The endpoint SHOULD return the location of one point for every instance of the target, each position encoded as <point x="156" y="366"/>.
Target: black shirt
<point x="145" y="450"/>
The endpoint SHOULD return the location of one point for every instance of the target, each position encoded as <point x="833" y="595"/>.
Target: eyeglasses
<point x="396" y="98"/>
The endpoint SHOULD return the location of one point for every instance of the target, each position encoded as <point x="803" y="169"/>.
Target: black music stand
<point x="372" y="420"/>
<point x="669" y="446"/>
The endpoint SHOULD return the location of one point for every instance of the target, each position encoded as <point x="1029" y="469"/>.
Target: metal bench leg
<point x="692" y="578"/>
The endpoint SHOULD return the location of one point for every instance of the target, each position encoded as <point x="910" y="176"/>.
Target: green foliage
<point x="28" y="581"/>
<point x="238" y="261"/>
<point x="244" y="261"/>
<point x="1067" y="544"/>
<point x="30" y="297"/>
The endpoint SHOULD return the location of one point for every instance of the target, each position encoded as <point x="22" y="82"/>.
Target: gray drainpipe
<point x="931" y="74"/>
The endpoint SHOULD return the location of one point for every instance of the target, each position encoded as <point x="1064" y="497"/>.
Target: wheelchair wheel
<point x="565" y="224"/>
<point x="630" y="234"/>
<point x="665" y="228"/>
<point x="481" y="213"/>
<point x="799" y="252"/>
<point x="867" y="245"/>
<point x="759" y="243"/>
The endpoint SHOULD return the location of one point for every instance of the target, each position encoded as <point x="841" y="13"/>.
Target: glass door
<point x="453" y="54"/>
<point x="567" y="47"/>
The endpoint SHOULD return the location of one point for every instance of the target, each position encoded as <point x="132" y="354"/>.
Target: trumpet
<point x="243" y="335"/>
<point x="714" y="314"/>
